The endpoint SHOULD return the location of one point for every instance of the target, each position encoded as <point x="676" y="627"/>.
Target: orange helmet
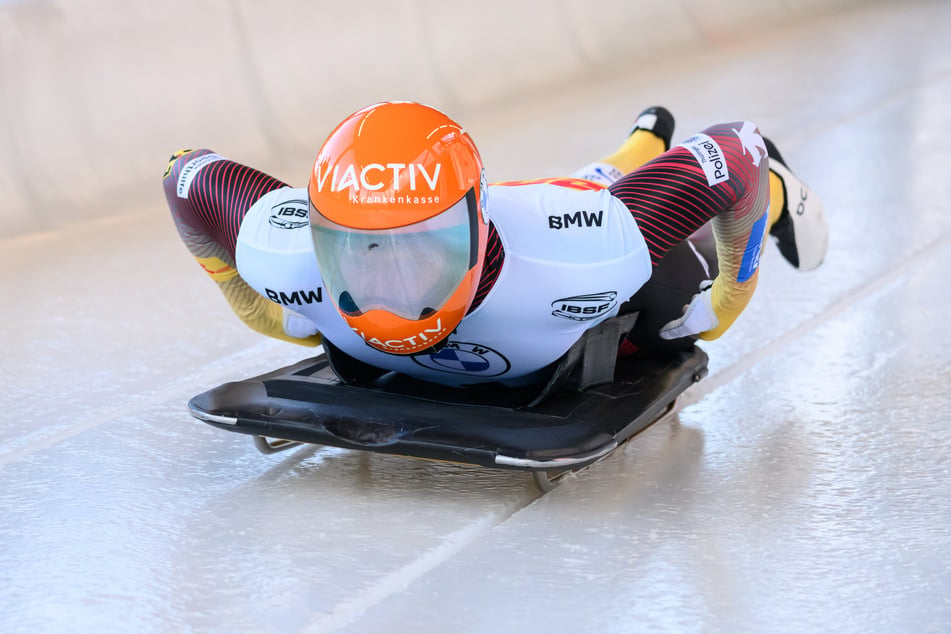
<point x="397" y="213"/>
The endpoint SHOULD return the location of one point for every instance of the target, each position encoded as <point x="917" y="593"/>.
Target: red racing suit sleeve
<point x="721" y="175"/>
<point x="208" y="196"/>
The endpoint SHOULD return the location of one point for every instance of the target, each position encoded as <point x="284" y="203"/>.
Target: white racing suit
<point x="572" y="256"/>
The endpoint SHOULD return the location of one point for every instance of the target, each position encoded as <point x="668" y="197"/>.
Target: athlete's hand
<point x="698" y="316"/>
<point x="298" y="326"/>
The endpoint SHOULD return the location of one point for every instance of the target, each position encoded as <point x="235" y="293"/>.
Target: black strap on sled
<point x="591" y="360"/>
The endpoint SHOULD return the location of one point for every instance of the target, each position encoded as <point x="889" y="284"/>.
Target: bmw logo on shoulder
<point x="465" y="358"/>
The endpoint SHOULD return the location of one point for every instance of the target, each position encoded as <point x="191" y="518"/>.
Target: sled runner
<point x="588" y="407"/>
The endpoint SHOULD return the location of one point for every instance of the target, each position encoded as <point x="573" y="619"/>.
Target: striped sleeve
<point x="209" y="197"/>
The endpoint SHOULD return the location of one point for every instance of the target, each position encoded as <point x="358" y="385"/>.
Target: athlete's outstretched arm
<point x="721" y="175"/>
<point x="208" y="196"/>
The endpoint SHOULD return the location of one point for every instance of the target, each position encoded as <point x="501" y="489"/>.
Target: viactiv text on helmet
<point x="376" y="183"/>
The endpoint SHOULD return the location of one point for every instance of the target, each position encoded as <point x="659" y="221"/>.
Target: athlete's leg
<point x="723" y="176"/>
<point x="800" y="232"/>
<point x="719" y="175"/>
<point x="673" y="283"/>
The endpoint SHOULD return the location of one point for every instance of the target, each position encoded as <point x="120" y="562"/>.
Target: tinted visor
<point x="409" y="271"/>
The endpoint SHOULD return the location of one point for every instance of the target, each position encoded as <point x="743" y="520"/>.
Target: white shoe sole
<point x="810" y="230"/>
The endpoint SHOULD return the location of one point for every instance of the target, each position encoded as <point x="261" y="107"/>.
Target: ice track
<point x="804" y="486"/>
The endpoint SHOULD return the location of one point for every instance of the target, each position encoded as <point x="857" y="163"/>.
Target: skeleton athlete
<point x="398" y="256"/>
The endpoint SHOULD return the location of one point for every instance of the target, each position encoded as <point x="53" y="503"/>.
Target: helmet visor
<point x="410" y="271"/>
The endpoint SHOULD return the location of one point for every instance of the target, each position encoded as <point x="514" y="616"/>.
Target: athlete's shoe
<point x="801" y="233"/>
<point x="658" y="120"/>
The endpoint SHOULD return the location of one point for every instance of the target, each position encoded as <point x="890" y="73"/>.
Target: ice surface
<point x="804" y="486"/>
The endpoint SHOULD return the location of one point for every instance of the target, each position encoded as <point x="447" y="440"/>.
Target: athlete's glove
<point x="698" y="316"/>
<point x="297" y="325"/>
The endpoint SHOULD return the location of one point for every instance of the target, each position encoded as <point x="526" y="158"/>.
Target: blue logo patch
<point x="754" y="247"/>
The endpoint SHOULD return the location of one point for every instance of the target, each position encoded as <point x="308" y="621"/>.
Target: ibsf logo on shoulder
<point x="375" y="183"/>
<point x="584" y="307"/>
<point x="290" y="214"/>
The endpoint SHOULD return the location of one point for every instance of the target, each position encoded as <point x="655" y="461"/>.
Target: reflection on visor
<point x="408" y="271"/>
<point x="347" y="305"/>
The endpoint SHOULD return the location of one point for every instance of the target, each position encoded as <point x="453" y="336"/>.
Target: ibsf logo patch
<point x="584" y="307"/>
<point x="465" y="358"/>
<point x="290" y="214"/>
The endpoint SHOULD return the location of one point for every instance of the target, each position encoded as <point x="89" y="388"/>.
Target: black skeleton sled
<point x="592" y="402"/>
